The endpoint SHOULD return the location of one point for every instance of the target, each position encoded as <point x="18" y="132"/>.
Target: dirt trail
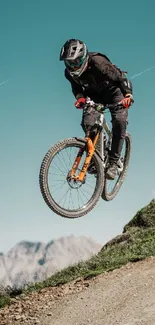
<point x="123" y="297"/>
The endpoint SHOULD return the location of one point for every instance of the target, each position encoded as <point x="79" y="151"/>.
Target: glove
<point x="128" y="100"/>
<point x="80" y="102"/>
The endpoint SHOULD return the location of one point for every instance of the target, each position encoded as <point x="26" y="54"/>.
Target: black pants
<point x="119" y="125"/>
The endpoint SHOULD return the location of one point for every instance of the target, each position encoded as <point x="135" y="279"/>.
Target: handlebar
<point x="100" y="107"/>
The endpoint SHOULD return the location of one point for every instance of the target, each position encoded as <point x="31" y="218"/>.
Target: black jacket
<point x="101" y="80"/>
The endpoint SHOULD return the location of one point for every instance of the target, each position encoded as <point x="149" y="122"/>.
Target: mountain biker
<point x="91" y="74"/>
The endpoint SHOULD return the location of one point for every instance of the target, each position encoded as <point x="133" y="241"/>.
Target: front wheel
<point x="111" y="188"/>
<point x="69" y="198"/>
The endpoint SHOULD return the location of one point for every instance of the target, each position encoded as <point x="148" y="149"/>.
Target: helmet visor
<point x="75" y="64"/>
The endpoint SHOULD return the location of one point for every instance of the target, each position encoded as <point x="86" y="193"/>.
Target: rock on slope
<point x="31" y="262"/>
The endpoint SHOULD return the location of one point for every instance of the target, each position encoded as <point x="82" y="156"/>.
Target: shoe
<point x="112" y="171"/>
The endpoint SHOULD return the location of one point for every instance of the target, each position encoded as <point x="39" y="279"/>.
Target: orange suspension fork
<point x="91" y="148"/>
<point x="77" y="162"/>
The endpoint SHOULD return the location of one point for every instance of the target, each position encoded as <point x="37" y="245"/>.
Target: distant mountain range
<point x="30" y="262"/>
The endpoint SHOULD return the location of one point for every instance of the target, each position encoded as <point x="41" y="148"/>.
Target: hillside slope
<point x="122" y="294"/>
<point x="125" y="296"/>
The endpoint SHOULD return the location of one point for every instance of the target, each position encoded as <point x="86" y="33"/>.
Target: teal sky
<point x="37" y="109"/>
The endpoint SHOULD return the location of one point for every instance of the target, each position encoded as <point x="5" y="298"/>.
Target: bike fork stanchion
<point x="90" y="151"/>
<point x="76" y="162"/>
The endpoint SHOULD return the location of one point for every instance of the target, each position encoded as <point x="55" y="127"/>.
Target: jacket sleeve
<point x="77" y="90"/>
<point x="111" y="73"/>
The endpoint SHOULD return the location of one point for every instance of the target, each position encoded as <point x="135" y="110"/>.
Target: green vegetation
<point x="4" y="300"/>
<point x="135" y="243"/>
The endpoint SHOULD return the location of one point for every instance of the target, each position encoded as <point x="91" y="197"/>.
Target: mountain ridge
<point x="28" y="262"/>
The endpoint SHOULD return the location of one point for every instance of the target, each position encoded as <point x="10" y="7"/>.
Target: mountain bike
<point x="67" y="184"/>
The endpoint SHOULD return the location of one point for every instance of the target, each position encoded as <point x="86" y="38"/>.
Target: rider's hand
<point x="80" y="102"/>
<point x="128" y="100"/>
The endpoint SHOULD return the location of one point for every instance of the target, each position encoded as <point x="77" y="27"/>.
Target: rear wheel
<point x="69" y="198"/>
<point x="111" y="187"/>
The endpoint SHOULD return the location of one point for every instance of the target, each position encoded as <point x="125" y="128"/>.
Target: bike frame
<point x="91" y="146"/>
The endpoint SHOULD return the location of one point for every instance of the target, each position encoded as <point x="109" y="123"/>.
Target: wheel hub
<point x="73" y="182"/>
